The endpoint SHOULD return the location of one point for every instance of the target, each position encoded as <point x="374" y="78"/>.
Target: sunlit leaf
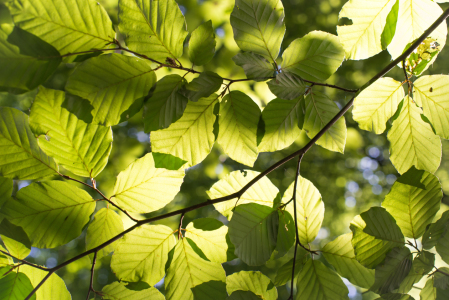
<point x="52" y="213"/>
<point x="259" y="26"/>
<point x="144" y="188"/>
<point x="435" y="231"/>
<point x="118" y="291"/>
<point x="316" y="56"/>
<point x="256" y="67"/>
<point x="20" y="156"/>
<point x="5" y="260"/>
<point x="143" y="253"/>
<point x="112" y="83"/>
<point x="166" y="105"/>
<point x="81" y="148"/>
<point x="262" y="192"/>
<point x="319" y="110"/>
<point x="154" y="28"/>
<point x="15" y="239"/>
<point x="362" y="39"/>
<point x="429" y="292"/>
<point x="340" y="254"/>
<point x="211" y="236"/>
<point x="283" y="120"/>
<point x="68" y="25"/>
<point x="202" y="86"/>
<point x="287" y="86"/>
<point x="252" y="281"/>
<point x="370" y="241"/>
<point x="431" y="93"/>
<point x="191" y="137"/>
<point x="53" y="288"/>
<point x="238" y="120"/>
<point x="253" y="230"/>
<point x="26" y="60"/>
<point x="377" y="103"/>
<point x="390" y="26"/>
<point x="14" y="286"/>
<point x="309" y="209"/>
<point x="412" y="141"/>
<point x="316" y="281"/>
<point x="284" y="273"/>
<point x="202" y="44"/>
<point x="105" y="226"/>
<point x="188" y="270"/>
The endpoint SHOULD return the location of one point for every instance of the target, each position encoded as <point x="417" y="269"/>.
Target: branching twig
<point x="25" y="262"/>
<point x="414" y="246"/>
<point x="92" y="270"/>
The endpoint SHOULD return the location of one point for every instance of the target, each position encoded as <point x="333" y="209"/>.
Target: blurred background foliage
<point x="349" y="183"/>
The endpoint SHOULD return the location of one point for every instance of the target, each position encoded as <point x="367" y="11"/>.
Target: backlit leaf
<point x="390" y="26"/>
<point x="53" y="288"/>
<point x="15" y="239"/>
<point x="284" y="273"/>
<point x="118" y="291"/>
<point x="14" y="286"/>
<point x="287" y="86"/>
<point x="252" y="281"/>
<point x="256" y="67"/>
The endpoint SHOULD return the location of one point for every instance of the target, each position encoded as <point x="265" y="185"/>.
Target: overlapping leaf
<point x="390" y="26"/>
<point x="118" y="291"/>
<point x="252" y="281"/>
<point x="143" y="188"/>
<point x="5" y="260"/>
<point x="53" y="288"/>
<point x="443" y="247"/>
<point x="20" y="156"/>
<point x="309" y="209"/>
<point x="253" y="230"/>
<point x="15" y="239"/>
<point x="316" y="56"/>
<point x="68" y="25"/>
<point x="377" y="103"/>
<point x="14" y="286"/>
<point x="81" y="148"/>
<point x="113" y="83"/>
<point x="283" y="120"/>
<point x="284" y="273"/>
<point x="238" y="121"/>
<point x="52" y="213"/>
<point x="340" y="254"/>
<point x="143" y="253"/>
<point x="286" y="233"/>
<point x="370" y="241"/>
<point x="154" y="28"/>
<point x="316" y="281"/>
<point x="319" y="110"/>
<point x="435" y="231"/>
<point x="191" y="137"/>
<point x="243" y="295"/>
<point x="422" y="264"/>
<point x="287" y="86"/>
<point x="262" y="192"/>
<point x="202" y="44"/>
<point x="412" y="141"/>
<point x="259" y="26"/>
<point x="188" y="270"/>
<point x="256" y="67"/>
<point x="203" y="86"/>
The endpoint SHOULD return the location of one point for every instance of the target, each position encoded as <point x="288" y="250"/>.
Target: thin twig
<point x="414" y="246"/>
<point x="180" y="226"/>
<point x="25" y="262"/>
<point x="92" y="270"/>
<point x="332" y="86"/>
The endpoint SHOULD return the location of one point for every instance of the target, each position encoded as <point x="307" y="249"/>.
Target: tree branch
<point x="26" y="262"/>
<point x="91" y="286"/>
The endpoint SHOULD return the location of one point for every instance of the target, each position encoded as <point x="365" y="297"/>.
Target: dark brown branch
<point x="92" y="270"/>
<point x="25" y="262"/>
<point x="331" y="86"/>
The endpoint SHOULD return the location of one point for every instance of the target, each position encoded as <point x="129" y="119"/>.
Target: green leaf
<point x="253" y="230"/>
<point x="68" y="25"/>
<point x="414" y="208"/>
<point x="429" y="292"/>
<point x="81" y="148"/>
<point x="377" y="103"/>
<point x="252" y="281"/>
<point x="14" y="286"/>
<point x="15" y="239"/>
<point x="316" y="56"/>
<point x="393" y="271"/>
<point x="105" y="226"/>
<point x="256" y="67"/>
<point x="284" y="273"/>
<point x="316" y="281"/>
<point x="414" y="17"/>
<point x="211" y="290"/>
<point x="168" y="161"/>
<point x="319" y="110"/>
<point x="309" y="209"/>
<point x="441" y="281"/>
<point x="26" y="60"/>
<point x="112" y="83"/>
<point x="166" y="105"/>
<point x="370" y="241"/>
<point x="395" y="296"/>
<point x="412" y="141"/>
<point x="431" y="93"/>
<point x="5" y="260"/>
<point x="118" y="291"/>
<point x="143" y="188"/>
<point x="287" y="86"/>
<point x="154" y="28"/>
<point x="6" y="188"/>
<point x="52" y="213"/>
<point x="211" y="236"/>
<point x="422" y="265"/>
<point x="143" y="253"/>
<point x="53" y="288"/>
<point x="443" y="247"/>
<point x="340" y="254"/>
<point x="182" y="138"/>
<point x="262" y="192"/>
<point x="390" y="26"/>
<point x="435" y="231"/>
<point x="286" y="233"/>
<point x="20" y="156"/>
<point x="202" y="44"/>
<point x="238" y="120"/>
<point x="243" y="295"/>
<point x="283" y="120"/>
<point x="362" y="39"/>
<point x="188" y="270"/>
<point x="202" y="86"/>
<point x="259" y="26"/>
